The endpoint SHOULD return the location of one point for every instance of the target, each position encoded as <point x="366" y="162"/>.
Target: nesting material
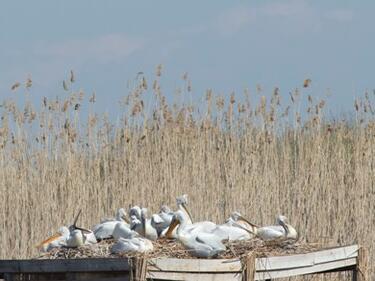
<point x="173" y="249"/>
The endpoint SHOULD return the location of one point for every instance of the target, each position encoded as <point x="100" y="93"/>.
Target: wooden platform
<point x="329" y="260"/>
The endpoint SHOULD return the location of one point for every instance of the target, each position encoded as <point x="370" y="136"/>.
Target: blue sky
<point x="223" y="45"/>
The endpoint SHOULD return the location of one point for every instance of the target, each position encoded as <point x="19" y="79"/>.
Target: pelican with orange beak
<point x="196" y="238"/>
<point x="73" y="236"/>
<point x="181" y="202"/>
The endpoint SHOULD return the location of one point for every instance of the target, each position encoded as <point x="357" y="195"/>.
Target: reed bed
<point x="258" y="153"/>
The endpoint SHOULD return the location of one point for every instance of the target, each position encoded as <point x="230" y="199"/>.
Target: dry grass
<point x="244" y="152"/>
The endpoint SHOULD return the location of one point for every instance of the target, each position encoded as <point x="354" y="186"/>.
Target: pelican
<point x="75" y="239"/>
<point x="122" y="230"/>
<point x="57" y="240"/>
<point x="105" y="229"/>
<point x="162" y="220"/>
<point x="145" y="228"/>
<point x="135" y="211"/>
<point x="196" y="237"/>
<point x="135" y="244"/>
<point x="275" y="233"/>
<point x="132" y="242"/>
<point x="72" y="236"/>
<point x="181" y="202"/>
<point x="237" y="219"/>
<point x="231" y="232"/>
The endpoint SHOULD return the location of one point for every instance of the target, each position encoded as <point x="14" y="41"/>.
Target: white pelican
<point x="276" y="233"/>
<point x="73" y="236"/>
<point x="135" y="244"/>
<point x="132" y="242"/>
<point x="57" y="240"/>
<point x="105" y="229"/>
<point x="135" y="211"/>
<point x="237" y="218"/>
<point x="231" y="232"/>
<point x="196" y="237"/>
<point x="67" y="237"/>
<point x="162" y="220"/>
<point x="181" y="202"/>
<point x="145" y="228"/>
<point x="88" y="236"/>
<point x="122" y="230"/>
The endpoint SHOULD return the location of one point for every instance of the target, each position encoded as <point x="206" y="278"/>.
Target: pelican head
<point x="165" y="209"/>
<point x="135" y="211"/>
<point x="75" y="227"/>
<point x="62" y="232"/>
<point x="282" y="220"/>
<point x="236" y="216"/>
<point x="121" y="215"/>
<point x="134" y="221"/>
<point x="182" y="199"/>
<point x="177" y="219"/>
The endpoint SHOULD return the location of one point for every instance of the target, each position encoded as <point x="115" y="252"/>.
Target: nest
<point x="173" y="249"/>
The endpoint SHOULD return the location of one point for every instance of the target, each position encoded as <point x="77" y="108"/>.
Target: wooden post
<point x="138" y="268"/>
<point x="361" y="272"/>
<point x="249" y="264"/>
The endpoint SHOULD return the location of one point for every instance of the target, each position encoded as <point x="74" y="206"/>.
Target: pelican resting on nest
<point x="275" y="234"/>
<point x="196" y="238"/>
<point x="104" y="230"/>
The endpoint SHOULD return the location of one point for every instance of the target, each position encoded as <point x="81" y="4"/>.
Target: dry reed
<point x="243" y="152"/>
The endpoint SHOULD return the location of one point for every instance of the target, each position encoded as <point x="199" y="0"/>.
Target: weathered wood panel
<point x="190" y="276"/>
<point x="348" y="264"/>
<point x="93" y="276"/>
<point x="262" y="264"/>
<point x="305" y="260"/>
<point x="195" y="265"/>
<point x="68" y="265"/>
<point x="335" y="259"/>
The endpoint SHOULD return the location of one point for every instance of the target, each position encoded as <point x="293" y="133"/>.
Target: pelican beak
<point x="49" y="240"/>
<point x="244" y="228"/>
<point x="84" y="230"/>
<point x="187" y="211"/>
<point x="125" y="218"/>
<point x="245" y="220"/>
<point x="285" y="228"/>
<point x="172" y="226"/>
<point x="76" y="218"/>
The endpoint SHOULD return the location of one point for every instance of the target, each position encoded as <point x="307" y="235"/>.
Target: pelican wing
<point x="231" y="233"/>
<point x="211" y="240"/>
<point x="270" y="233"/>
<point x="104" y="230"/>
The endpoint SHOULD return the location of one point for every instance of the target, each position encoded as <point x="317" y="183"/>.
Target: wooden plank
<point x="361" y="271"/>
<point x="97" y="276"/>
<point x="190" y="276"/>
<point x="41" y="276"/>
<point x="68" y="265"/>
<point x="308" y="259"/>
<point x="194" y="265"/>
<point x="268" y="263"/>
<point x="317" y="268"/>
